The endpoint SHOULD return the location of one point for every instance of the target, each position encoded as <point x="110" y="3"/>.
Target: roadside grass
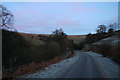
<point x="106" y="44"/>
<point x="33" y="67"/>
<point x="107" y="50"/>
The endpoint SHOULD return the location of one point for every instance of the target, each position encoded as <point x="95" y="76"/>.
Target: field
<point x="77" y="38"/>
<point x="34" y="39"/>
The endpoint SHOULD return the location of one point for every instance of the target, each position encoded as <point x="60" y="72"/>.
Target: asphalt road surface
<point x="85" y="67"/>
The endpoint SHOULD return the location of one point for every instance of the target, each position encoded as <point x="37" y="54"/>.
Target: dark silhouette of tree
<point x="101" y="29"/>
<point x="61" y="38"/>
<point x="98" y="31"/>
<point x="110" y="30"/>
<point x="89" y="34"/>
<point x="113" y="26"/>
<point x="89" y="38"/>
<point x="58" y="32"/>
<point x="6" y="18"/>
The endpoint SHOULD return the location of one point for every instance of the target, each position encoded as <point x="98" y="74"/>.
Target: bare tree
<point x="113" y="26"/>
<point x="101" y="29"/>
<point x="58" y="32"/>
<point x="6" y="18"/>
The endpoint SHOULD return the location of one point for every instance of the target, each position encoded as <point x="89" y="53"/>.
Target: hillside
<point x="35" y="39"/>
<point x="13" y="47"/>
<point x="108" y="46"/>
<point x="32" y="39"/>
<point x="77" y="38"/>
<point x="113" y="40"/>
<point x="21" y="51"/>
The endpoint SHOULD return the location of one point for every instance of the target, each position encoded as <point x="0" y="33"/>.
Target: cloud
<point x="47" y="23"/>
<point x="37" y="19"/>
<point x="31" y="18"/>
<point x="85" y="9"/>
<point x="67" y="22"/>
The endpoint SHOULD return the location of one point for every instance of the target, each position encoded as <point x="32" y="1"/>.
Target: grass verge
<point x="33" y="67"/>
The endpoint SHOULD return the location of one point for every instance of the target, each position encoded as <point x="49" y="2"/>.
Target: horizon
<point x="75" y="18"/>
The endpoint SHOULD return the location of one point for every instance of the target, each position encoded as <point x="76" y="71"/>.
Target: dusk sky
<point x="75" y="18"/>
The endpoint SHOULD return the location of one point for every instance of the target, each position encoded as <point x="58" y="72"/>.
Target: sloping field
<point x="113" y="40"/>
<point x="33" y="38"/>
<point x="77" y="38"/>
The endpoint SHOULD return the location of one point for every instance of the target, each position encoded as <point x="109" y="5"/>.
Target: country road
<point x="82" y="65"/>
<point x="85" y="67"/>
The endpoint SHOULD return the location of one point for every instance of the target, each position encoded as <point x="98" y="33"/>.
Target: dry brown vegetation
<point x="77" y="38"/>
<point x="107" y="44"/>
<point x="25" y="49"/>
<point x="32" y="67"/>
<point x="107" y="50"/>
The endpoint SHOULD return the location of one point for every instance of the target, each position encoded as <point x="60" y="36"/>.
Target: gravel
<point x="109" y="66"/>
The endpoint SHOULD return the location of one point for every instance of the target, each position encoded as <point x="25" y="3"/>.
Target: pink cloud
<point x="67" y="22"/>
<point x="85" y="9"/>
<point x="23" y="14"/>
<point x="90" y="9"/>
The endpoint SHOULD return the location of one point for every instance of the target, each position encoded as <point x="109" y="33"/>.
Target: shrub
<point x="107" y="50"/>
<point x="104" y="49"/>
<point x="81" y="45"/>
<point x="13" y="46"/>
<point x="94" y="48"/>
<point x="52" y="50"/>
<point x="115" y="53"/>
<point x="33" y="66"/>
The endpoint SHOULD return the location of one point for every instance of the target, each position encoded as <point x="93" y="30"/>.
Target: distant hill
<point x="35" y="39"/>
<point x="77" y="38"/>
